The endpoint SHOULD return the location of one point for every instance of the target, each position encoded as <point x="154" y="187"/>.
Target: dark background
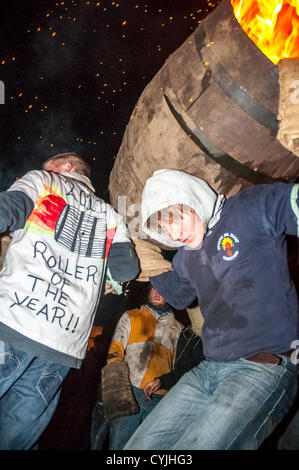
<point x="73" y="71"/>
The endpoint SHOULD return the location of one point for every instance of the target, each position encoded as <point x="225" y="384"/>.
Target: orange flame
<point x="273" y="25"/>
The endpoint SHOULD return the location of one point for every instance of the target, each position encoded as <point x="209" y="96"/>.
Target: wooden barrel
<point x="210" y="111"/>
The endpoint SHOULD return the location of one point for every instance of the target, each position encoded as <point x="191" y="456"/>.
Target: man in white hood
<point x="232" y="257"/>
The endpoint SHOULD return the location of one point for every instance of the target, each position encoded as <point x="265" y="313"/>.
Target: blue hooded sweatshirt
<point x="240" y="271"/>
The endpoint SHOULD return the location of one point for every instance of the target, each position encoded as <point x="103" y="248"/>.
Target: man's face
<point x="186" y="228"/>
<point x="57" y="166"/>
<point x="155" y="299"/>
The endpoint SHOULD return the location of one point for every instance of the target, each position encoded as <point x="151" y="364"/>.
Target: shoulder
<point x="31" y="182"/>
<point x="262" y="209"/>
<point x="32" y="175"/>
<point x="247" y="201"/>
<point x="259" y="191"/>
<point x="136" y="312"/>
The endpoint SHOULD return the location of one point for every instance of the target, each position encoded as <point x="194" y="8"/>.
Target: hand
<point x="151" y="388"/>
<point x="152" y="261"/>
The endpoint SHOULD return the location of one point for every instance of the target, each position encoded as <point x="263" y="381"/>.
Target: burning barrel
<point x="212" y="111"/>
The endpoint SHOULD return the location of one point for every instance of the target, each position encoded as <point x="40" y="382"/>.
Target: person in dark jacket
<point x="232" y="257"/>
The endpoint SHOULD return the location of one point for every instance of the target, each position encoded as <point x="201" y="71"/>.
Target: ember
<point x="273" y="25"/>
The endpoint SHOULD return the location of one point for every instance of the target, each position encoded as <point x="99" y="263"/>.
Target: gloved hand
<point x="117" y="395"/>
<point x="152" y="262"/>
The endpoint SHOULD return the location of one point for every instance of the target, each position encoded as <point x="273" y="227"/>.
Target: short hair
<point x="80" y="164"/>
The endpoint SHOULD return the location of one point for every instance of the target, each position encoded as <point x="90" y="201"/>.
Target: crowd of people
<point x="163" y="386"/>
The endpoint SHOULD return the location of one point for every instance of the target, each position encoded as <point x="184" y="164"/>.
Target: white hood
<point x="169" y="187"/>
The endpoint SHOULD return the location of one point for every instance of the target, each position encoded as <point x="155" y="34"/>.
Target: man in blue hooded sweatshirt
<point x="232" y="257"/>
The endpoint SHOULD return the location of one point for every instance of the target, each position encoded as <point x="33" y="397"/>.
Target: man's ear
<point x="68" y="167"/>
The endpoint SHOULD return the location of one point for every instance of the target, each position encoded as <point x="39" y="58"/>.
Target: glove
<point x="196" y="319"/>
<point x="152" y="262"/>
<point x="117" y="394"/>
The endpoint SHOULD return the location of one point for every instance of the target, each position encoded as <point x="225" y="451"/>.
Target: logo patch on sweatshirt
<point x="228" y="245"/>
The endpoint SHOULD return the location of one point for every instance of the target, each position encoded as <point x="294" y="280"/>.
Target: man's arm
<point x="189" y="353"/>
<point x="277" y="206"/>
<point x="120" y="340"/>
<point x="174" y="286"/>
<point x="169" y="380"/>
<point x="17" y="203"/>
<point x="123" y="262"/>
<point x="166" y="381"/>
<point x="15" y="208"/>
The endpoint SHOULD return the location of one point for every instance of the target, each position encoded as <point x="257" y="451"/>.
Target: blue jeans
<point x="121" y="429"/>
<point x="29" y="393"/>
<point x="289" y="439"/>
<point x="99" y="428"/>
<point x="220" y="405"/>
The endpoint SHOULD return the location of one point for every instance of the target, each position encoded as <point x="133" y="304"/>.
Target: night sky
<point x="73" y="71"/>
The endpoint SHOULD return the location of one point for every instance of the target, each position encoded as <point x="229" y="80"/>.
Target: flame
<point x="273" y="25"/>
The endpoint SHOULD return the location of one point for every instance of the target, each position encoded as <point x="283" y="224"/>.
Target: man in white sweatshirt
<point x="63" y="235"/>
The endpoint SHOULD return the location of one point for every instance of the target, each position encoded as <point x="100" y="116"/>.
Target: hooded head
<point x="181" y="199"/>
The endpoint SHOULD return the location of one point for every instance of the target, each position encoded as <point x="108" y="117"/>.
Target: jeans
<point x="220" y="405"/>
<point x="99" y="428"/>
<point x="289" y="437"/>
<point x="29" y="393"/>
<point x="122" y="428"/>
